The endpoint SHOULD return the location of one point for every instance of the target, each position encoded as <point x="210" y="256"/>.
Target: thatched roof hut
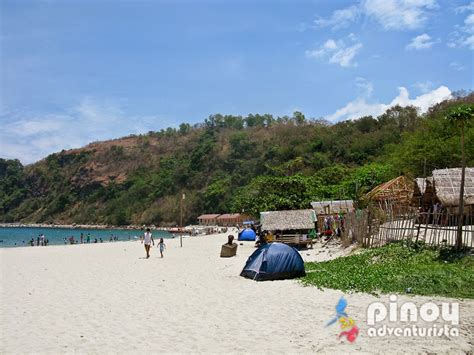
<point x="423" y="194"/>
<point x="287" y="220"/>
<point x="421" y="184"/>
<point x="398" y="191"/>
<point x="447" y="184"/>
<point x="330" y="207"/>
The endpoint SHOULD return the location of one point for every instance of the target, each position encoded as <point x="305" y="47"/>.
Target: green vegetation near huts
<point x="396" y="268"/>
<point x="231" y="164"/>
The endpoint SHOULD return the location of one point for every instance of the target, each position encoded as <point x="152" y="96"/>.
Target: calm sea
<point x="18" y="237"/>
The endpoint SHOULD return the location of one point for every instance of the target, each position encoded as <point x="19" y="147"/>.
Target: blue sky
<point x="74" y="72"/>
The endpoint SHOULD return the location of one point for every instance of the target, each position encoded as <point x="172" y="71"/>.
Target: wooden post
<point x="370" y="226"/>
<point x="181" y="220"/>
<point x="461" y="195"/>
<point x="426" y="227"/>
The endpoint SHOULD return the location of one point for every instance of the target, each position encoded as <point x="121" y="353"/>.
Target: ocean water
<point x="21" y="236"/>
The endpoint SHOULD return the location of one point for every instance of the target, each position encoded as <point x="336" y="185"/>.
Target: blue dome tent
<point x="275" y="261"/>
<point x="247" y="234"/>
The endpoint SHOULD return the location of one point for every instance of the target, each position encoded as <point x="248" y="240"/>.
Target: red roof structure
<point x="208" y="219"/>
<point x="230" y="219"/>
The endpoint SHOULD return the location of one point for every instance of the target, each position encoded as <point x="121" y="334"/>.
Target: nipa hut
<point x="333" y="207"/>
<point x="395" y="194"/>
<point x="331" y="213"/>
<point x="447" y="186"/>
<point x="423" y="195"/>
<point x="296" y="220"/>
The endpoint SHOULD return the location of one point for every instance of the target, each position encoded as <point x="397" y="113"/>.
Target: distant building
<point x="231" y="219"/>
<point x="208" y="219"/>
<point x="333" y="207"/>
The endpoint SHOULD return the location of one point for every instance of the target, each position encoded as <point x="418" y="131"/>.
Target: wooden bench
<point x="294" y="239"/>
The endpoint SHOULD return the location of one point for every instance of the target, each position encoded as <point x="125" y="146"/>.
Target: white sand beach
<point x="96" y="298"/>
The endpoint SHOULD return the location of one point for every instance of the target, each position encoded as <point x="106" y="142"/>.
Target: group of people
<point x="148" y="240"/>
<point x="332" y="226"/>
<point x="88" y="239"/>
<point x="40" y="240"/>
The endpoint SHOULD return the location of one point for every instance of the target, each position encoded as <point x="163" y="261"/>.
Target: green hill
<point x="229" y="163"/>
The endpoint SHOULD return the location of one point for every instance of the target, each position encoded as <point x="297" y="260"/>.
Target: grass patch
<point x="397" y="268"/>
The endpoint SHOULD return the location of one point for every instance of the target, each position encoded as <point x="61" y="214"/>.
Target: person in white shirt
<point x="148" y="239"/>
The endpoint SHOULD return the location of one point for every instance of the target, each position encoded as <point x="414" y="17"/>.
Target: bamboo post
<point x="426" y="226"/>
<point x="472" y="231"/>
<point x="181" y="220"/>
<point x="461" y="193"/>
<point x="430" y="233"/>
<point x="369" y="226"/>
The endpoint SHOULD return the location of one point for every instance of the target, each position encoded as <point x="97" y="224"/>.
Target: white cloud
<point x="344" y="55"/>
<point x="360" y="107"/>
<point x="469" y="21"/>
<point x="30" y="137"/>
<point x="457" y="66"/>
<point x="464" y="35"/>
<point x="35" y="126"/>
<point x="337" y="52"/>
<point x="97" y="112"/>
<point x="424" y="87"/>
<point x="352" y="37"/>
<point x="420" y="42"/>
<point x="461" y="9"/>
<point x="390" y="14"/>
<point x="364" y="87"/>
<point x="340" y="18"/>
<point x="399" y="14"/>
<point x="468" y="42"/>
<point x="330" y="44"/>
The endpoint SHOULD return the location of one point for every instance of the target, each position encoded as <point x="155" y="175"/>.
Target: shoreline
<point x="75" y="226"/>
<point x="109" y="226"/>
<point x="106" y="226"/>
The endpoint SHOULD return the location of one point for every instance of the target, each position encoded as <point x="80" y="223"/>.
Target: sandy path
<point x="107" y="298"/>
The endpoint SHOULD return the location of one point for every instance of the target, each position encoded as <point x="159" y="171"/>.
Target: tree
<point x="184" y="128"/>
<point x="299" y="118"/>
<point x="461" y="115"/>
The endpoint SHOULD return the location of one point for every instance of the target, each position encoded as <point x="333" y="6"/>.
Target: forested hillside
<point x="230" y="164"/>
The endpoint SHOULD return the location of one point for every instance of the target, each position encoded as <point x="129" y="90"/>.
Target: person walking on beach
<point x="162" y="246"/>
<point x="148" y="239"/>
